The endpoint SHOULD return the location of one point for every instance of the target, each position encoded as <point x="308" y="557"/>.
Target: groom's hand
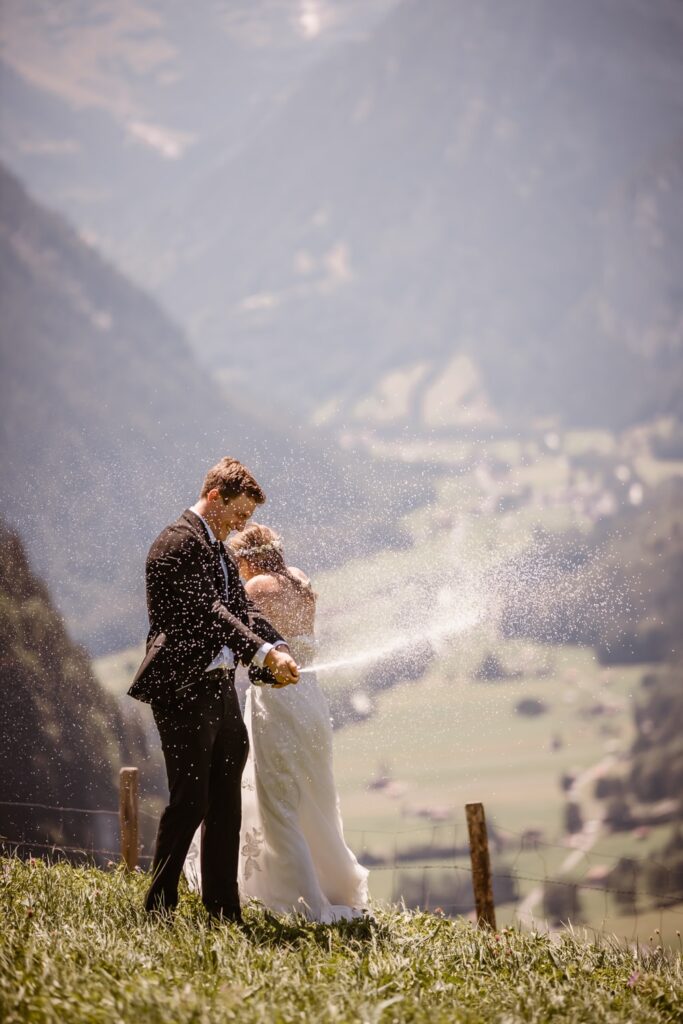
<point x="282" y="666"/>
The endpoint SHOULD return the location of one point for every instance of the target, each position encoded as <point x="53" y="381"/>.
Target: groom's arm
<point x="276" y="666"/>
<point x="258" y="632"/>
<point x="185" y="603"/>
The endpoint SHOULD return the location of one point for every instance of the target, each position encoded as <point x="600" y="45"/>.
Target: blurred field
<point x="451" y="740"/>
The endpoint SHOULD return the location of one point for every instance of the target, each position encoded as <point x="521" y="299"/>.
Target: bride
<point x="293" y="857"/>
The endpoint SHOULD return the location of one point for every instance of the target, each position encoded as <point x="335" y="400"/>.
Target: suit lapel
<point x="197" y="526"/>
<point x="212" y="550"/>
<point x="234" y="581"/>
<point x="235" y="597"/>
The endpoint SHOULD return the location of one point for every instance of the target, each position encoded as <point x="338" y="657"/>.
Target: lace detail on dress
<point x="251" y="851"/>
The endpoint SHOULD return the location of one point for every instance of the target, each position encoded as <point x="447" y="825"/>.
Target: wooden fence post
<point x="481" y="864"/>
<point x="128" y="816"/>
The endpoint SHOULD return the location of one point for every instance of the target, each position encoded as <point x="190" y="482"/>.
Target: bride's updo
<point x="261" y="547"/>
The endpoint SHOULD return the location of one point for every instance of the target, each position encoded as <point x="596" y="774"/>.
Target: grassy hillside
<point x="77" y="947"/>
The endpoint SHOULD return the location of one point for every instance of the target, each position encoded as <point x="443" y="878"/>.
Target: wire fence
<point x="527" y="897"/>
<point x="90" y="851"/>
<point x="438" y="857"/>
<point x="70" y="810"/>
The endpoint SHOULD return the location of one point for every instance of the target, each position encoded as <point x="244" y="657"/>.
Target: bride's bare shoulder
<point x="300" y="575"/>
<point x="263" y="585"/>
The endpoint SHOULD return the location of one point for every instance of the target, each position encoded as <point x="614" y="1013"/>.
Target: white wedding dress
<point x="293" y="857"/>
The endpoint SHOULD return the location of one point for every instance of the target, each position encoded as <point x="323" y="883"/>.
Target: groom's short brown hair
<point x="232" y="478"/>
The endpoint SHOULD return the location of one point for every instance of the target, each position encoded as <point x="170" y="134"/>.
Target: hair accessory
<point x="244" y="552"/>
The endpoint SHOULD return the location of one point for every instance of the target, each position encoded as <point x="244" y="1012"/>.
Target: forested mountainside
<point x="109" y="424"/>
<point x="475" y="209"/>
<point x="63" y="737"/>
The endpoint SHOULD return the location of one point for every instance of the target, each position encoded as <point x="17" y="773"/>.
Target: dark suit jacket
<point x="190" y="616"/>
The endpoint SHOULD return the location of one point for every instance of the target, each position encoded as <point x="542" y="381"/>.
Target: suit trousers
<point x="205" y="748"/>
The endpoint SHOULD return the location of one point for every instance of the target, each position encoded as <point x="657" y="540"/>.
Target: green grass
<point x="75" y="946"/>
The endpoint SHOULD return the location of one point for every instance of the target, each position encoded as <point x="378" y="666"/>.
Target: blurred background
<point x="420" y="266"/>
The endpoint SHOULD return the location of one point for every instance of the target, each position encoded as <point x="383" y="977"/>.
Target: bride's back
<point x="288" y="604"/>
<point x="283" y="593"/>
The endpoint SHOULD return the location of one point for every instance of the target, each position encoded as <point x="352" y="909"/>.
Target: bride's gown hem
<point x="293" y="856"/>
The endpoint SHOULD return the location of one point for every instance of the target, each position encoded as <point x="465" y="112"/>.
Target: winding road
<point x="581" y="842"/>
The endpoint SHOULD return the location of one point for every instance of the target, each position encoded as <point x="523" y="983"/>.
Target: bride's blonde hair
<point x="261" y="547"/>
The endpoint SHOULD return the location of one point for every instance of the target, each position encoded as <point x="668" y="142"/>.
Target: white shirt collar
<point x="212" y="536"/>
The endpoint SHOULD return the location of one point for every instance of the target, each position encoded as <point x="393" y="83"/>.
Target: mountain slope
<point x="109" y="425"/>
<point x="494" y="183"/>
<point x="63" y="736"/>
<point x="158" y="91"/>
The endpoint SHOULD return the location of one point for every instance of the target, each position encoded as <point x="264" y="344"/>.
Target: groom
<point x="201" y="623"/>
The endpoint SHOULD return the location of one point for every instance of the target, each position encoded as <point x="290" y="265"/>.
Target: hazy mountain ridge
<point x="158" y="91"/>
<point x="109" y="425"/>
<point x="472" y="179"/>
<point x="455" y="188"/>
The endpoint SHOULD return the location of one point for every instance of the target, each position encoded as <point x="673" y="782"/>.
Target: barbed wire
<point x="406" y="831"/>
<point x="397" y="864"/>
<point x="71" y="810"/>
<point x="592" y="851"/>
<point x="59" y="847"/>
<point x="523" y="878"/>
<point x="630" y="898"/>
<point x="533" y="842"/>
